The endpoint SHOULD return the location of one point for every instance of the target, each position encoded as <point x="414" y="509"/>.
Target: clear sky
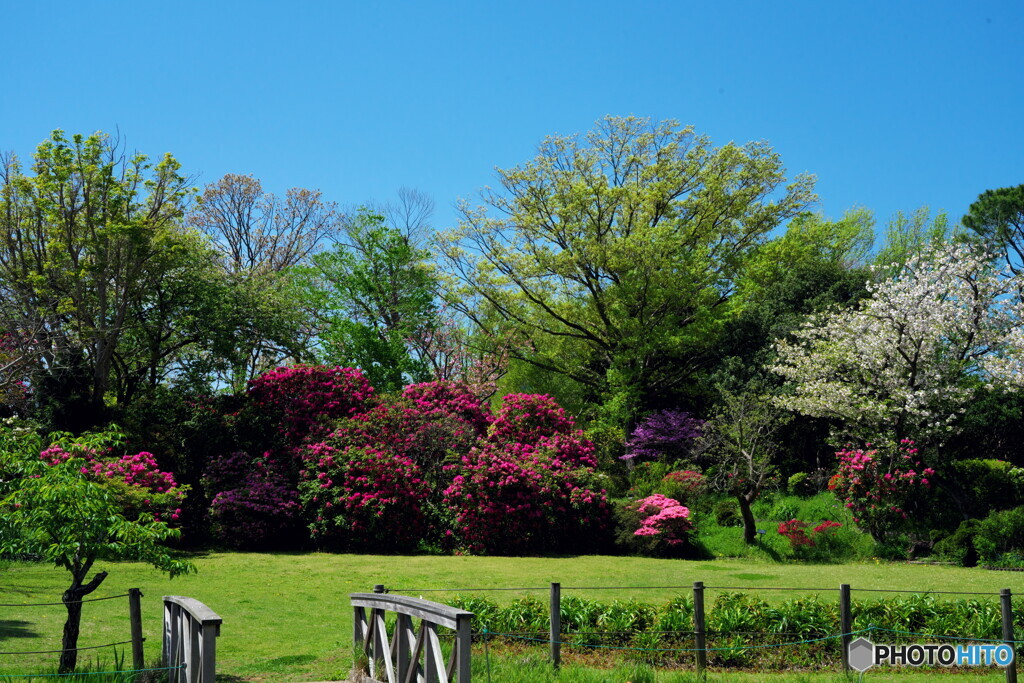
<point x="891" y="104"/>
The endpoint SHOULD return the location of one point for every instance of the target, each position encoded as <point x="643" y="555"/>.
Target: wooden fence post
<point x="378" y="637"/>
<point x="1006" y="599"/>
<point x="845" y="624"/>
<point x="556" y="625"/>
<point x="135" y="618"/>
<point x="698" y="626"/>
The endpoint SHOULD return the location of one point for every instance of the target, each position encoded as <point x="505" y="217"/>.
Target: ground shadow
<point x="13" y="628"/>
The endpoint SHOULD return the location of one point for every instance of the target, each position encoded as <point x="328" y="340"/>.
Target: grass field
<point x="286" y="616"/>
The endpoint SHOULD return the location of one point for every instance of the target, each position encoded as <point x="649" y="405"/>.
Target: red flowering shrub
<point x="449" y="398"/>
<point x="362" y="498"/>
<point x="882" y="487"/>
<point x="685" y="485"/>
<point x="518" y="498"/>
<point x="427" y="436"/>
<point x="524" y="418"/>
<point x="296" y="398"/>
<point x="816" y="545"/>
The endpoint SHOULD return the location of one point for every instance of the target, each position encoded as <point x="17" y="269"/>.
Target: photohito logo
<point x="863" y="654"/>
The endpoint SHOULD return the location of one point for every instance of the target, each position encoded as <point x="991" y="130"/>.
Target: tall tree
<point x="375" y="296"/>
<point x="78" y="241"/>
<point x="626" y="244"/>
<point x="998" y="218"/>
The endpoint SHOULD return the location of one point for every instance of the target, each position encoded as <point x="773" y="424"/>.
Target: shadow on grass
<point x="13" y="628"/>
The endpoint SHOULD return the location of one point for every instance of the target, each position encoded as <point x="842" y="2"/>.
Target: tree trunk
<point x="73" y="603"/>
<point x="749" y="524"/>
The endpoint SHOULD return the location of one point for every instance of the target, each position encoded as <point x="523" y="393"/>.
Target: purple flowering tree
<point x="663" y="435"/>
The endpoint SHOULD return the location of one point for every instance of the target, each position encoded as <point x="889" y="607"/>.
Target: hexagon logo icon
<point x="861" y="654"/>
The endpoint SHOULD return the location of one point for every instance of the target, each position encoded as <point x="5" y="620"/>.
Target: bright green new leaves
<point x="373" y="297"/>
<point x="79" y="242"/>
<point x="61" y="515"/>
<point x="624" y="247"/>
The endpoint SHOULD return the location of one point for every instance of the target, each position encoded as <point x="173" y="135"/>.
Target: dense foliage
<point x="633" y="327"/>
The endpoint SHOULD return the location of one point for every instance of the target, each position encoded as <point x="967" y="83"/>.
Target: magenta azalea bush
<point x="524" y="418"/>
<point x="449" y="399"/>
<point x="301" y="396"/>
<point x="362" y="499"/>
<point x="524" y="499"/>
<point x="882" y="487"/>
<point x="136" y="480"/>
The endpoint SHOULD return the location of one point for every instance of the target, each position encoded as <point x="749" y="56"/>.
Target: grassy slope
<point x="286" y="617"/>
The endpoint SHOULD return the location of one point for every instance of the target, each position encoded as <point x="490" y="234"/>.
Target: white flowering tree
<point x="909" y="358"/>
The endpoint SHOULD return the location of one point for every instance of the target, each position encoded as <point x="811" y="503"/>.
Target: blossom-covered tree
<point x="665" y="434"/>
<point x="911" y="356"/>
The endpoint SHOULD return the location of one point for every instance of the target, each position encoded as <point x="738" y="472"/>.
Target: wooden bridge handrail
<point x="200" y="612"/>
<point x="434" y="612"/>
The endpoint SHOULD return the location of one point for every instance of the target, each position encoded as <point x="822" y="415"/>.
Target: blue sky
<point x="893" y="105"/>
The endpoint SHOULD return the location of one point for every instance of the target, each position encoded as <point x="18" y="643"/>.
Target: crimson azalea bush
<point x="451" y="399"/>
<point x="362" y="498"/>
<point x="297" y="398"/>
<point x="882" y="487"/>
<point x="518" y="498"/>
<point x="136" y="480"/>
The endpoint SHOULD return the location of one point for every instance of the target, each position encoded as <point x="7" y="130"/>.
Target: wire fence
<point x="731" y="646"/>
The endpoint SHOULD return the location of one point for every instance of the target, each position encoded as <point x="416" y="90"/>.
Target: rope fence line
<point x="77" y="649"/>
<point x="94" y="673"/>
<point x="689" y="587"/>
<point x="486" y="633"/>
<point x="69" y="602"/>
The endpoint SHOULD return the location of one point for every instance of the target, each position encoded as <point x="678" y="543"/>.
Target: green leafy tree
<point x="910" y="236"/>
<point x="72" y="521"/>
<point x="998" y="218"/>
<point x="625" y="244"/>
<point x="375" y="297"/>
<point x="79" y="241"/>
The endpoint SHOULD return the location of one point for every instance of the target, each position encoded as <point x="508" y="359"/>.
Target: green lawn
<point x="286" y="616"/>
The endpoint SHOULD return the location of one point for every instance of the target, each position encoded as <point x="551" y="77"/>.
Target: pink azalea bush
<point x="363" y="499"/>
<point x="520" y="498"/>
<point x="882" y="487"/>
<point x="660" y="526"/>
<point x="449" y="398"/>
<point x="300" y="396"/>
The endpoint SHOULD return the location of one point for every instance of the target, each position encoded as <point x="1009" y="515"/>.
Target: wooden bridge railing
<point x="401" y="654"/>
<point x="190" y="640"/>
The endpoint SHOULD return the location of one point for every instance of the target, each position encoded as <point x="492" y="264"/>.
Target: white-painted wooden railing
<point x="411" y="655"/>
<point x="190" y="640"/>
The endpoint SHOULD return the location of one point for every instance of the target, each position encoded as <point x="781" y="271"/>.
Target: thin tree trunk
<point x="73" y="603"/>
<point x="749" y="524"/>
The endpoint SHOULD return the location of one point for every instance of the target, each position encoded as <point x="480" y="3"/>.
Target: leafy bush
<point x="999" y="535"/>
<point x="727" y="513"/>
<point x="959" y="547"/>
<point x="987" y="485"/>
